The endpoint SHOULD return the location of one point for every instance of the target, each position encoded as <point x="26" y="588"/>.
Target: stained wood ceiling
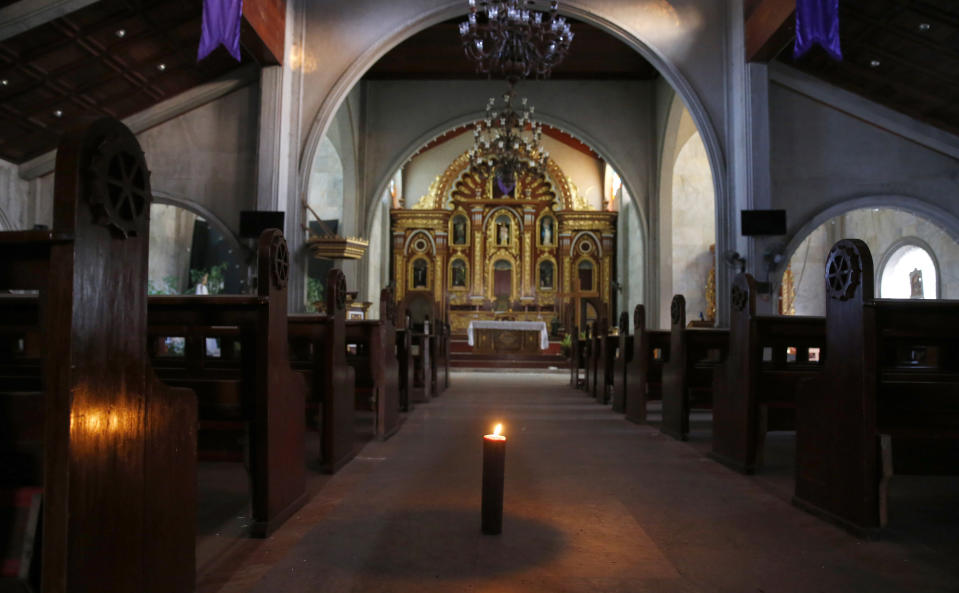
<point x="81" y="65"/>
<point x="437" y="53"/>
<point x="903" y="54"/>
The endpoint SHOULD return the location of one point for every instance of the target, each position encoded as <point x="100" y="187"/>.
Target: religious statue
<point x="546" y="236"/>
<point x="419" y="274"/>
<point x="502" y="231"/>
<point x="915" y="282"/>
<point x="459" y="274"/>
<point x="546" y="275"/>
<point x="459" y="231"/>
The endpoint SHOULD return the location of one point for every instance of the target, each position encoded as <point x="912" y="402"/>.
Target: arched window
<point x="909" y="272"/>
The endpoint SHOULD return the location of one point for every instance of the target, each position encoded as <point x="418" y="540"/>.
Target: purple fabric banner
<point x="817" y="21"/>
<point x="221" y="24"/>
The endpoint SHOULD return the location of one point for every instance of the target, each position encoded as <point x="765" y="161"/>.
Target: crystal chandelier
<point x="507" y="38"/>
<point x="508" y="142"/>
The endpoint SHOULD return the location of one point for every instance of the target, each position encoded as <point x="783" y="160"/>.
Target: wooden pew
<point x="587" y="354"/>
<point x="755" y="390"/>
<point x="644" y="372"/>
<point x="319" y="354"/>
<point x="597" y="380"/>
<point x="688" y="373"/>
<point x="421" y="352"/>
<point x="575" y="359"/>
<point x="624" y="354"/>
<point x="117" y="447"/>
<point x="375" y="365"/>
<point x="887" y="400"/>
<point x="257" y="393"/>
<point x="404" y="356"/>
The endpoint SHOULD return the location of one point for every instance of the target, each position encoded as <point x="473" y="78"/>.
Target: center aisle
<point x="593" y="504"/>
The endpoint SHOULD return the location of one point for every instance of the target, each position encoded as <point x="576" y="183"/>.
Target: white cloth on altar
<point x="539" y="326"/>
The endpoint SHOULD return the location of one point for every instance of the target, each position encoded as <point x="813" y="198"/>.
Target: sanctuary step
<point x="462" y="356"/>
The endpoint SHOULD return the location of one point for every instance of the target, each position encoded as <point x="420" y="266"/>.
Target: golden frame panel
<point x="409" y="273"/>
<point x="449" y="273"/>
<point x="515" y="281"/>
<point x="536" y="273"/>
<point x="459" y="211"/>
<point x="596" y="276"/>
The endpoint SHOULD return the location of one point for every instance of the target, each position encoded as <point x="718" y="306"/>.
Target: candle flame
<point x="498" y="429"/>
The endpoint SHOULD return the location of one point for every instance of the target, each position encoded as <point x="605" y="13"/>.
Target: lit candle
<point x="494" y="464"/>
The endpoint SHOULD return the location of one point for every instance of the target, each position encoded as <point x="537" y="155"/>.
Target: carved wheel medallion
<point x="281" y="261"/>
<point x="740" y="298"/>
<point x="842" y="272"/>
<point x="119" y="187"/>
<point x="676" y="309"/>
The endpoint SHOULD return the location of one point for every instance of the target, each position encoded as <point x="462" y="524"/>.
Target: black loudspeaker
<point x="762" y="222"/>
<point x="254" y="222"/>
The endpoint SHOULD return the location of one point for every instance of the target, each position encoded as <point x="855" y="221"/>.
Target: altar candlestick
<point x="494" y="464"/>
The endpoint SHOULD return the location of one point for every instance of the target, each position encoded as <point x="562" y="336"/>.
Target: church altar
<point x="507" y="337"/>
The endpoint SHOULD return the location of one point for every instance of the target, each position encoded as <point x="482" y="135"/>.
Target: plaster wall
<point x="171" y="235"/>
<point x="208" y="155"/>
<point x="693" y="228"/>
<point x="821" y="156"/>
<point x="14" y="198"/>
<point x="631" y="253"/>
<point x="347" y="37"/>
<point x="882" y="229"/>
<point x="403" y="115"/>
<point x="326" y="183"/>
<point x="420" y="172"/>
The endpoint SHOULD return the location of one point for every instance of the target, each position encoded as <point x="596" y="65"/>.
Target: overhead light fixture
<point x="121" y="33"/>
<point x="875" y="63"/>
<point x="508" y="142"/>
<point x="509" y="38"/>
<point x="4" y="82"/>
<point x="57" y="113"/>
<point x="161" y="67"/>
<point x="924" y="27"/>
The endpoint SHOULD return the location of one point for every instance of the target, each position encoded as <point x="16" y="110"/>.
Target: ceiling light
<point x="924" y="27"/>
<point x="874" y="63"/>
<point x="161" y="67"/>
<point x="506" y="38"/>
<point x="4" y="82"/>
<point x="121" y="33"/>
<point x="57" y="113"/>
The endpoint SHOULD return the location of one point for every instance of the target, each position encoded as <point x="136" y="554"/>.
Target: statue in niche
<point x="459" y="274"/>
<point x="546" y="275"/>
<point x="502" y="230"/>
<point x="546" y="231"/>
<point x="419" y="274"/>
<point x="915" y="283"/>
<point x="459" y="230"/>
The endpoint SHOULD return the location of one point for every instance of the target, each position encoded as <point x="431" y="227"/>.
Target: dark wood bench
<point x="421" y="351"/>
<point x="376" y="367"/>
<point x="318" y="351"/>
<point x="644" y="372"/>
<point x="602" y="353"/>
<point x="587" y="353"/>
<point x="624" y="354"/>
<point x="404" y="357"/>
<point x="688" y="372"/>
<point x="755" y="390"/>
<point x="111" y="449"/>
<point x="252" y="395"/>
<point x="887" y="400"/>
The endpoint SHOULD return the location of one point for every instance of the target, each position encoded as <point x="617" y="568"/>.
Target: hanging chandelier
<point x="507" y="38"/>
<point x="508" y="143"/>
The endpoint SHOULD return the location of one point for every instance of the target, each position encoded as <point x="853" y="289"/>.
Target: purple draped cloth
<point x="817" y="21"/>
<point x="221" y="24"/>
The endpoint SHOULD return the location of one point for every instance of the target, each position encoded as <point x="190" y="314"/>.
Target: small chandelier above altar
<point x="509" y="142"/>
<point x="507" y="38"/>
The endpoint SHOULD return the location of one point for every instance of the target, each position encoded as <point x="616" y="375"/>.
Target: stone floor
<point x="593" y="504"/>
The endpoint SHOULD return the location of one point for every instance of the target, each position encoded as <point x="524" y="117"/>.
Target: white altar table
<point x="501" y="334"/>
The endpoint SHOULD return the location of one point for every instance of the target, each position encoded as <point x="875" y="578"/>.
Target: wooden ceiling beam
<point x="263" y="32"/>
<point x="770" y="26"/>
